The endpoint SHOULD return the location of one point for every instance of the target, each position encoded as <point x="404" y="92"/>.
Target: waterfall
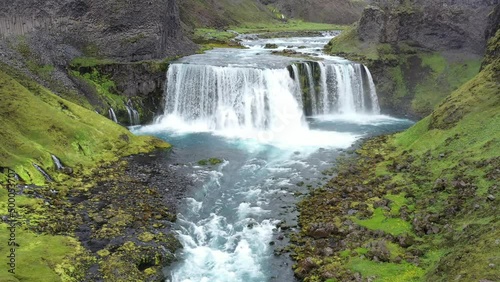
<point x="237" y="99"/>
<point x="347" y="88"/>
<point x="297" y="89"/>
<point x="312" y="91"/>
<point x="373" y="92"/>
<point x="133" y="114"/>
<point x="112" y="115"/>
<point x="57" y="162"/>
<point x="325" y="102"/>
<point x="45" y="174"/>
<point x="248" y="99"/>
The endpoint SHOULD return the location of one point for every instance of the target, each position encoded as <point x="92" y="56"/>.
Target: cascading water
<point x="112" y="115"/>
<point x="133" y="115"/>
<point x="57" y="162"/>
<point x="249" y="108"/>
<point x="43" y="172"/>
<point x="237" y="100"/>
<point x="342" y="88"/>
<point x="242" y="99"/>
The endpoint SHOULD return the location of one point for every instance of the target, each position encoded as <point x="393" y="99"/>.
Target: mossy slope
<point x="37" y="123"/>
<point x="220" y="13"/>
<point x="421" y="205"/>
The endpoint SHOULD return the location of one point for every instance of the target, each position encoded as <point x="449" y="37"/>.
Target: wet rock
<point x="270" y="46"/>
<point x="352" y="212"/>
<point x="327" y="252"/>
<point x="381" y="203"/>
<point x="308" y="264"/>
<point x="321" y="230"/>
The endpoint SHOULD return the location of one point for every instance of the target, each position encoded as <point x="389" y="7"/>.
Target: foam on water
<point x="251" y="102"/>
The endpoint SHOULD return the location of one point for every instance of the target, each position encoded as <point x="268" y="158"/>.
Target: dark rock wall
<point x="429" y="24"/>
<point x="123" y="30"/>
<point x="46" y="34"/>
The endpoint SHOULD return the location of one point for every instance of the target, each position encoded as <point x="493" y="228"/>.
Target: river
<point x="277" y="123"/>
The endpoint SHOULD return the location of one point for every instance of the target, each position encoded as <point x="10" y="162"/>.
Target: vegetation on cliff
<point x="410" y="81"/>
<point x="421" y="205"/>
<point x="37" y="124"/>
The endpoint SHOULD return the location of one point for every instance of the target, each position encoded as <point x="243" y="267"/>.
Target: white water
<point x="133" y="115"/>
<point x="57" y="162"/>
<point x="243" y="102"/>
<point x="263" y="104"/>
<point x="112" y="115"/>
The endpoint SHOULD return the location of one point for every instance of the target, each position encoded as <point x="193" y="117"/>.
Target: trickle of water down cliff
<point x="277" y="123"/>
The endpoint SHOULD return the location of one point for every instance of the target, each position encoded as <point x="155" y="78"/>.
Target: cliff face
<point x="419" y="51"/>
<point x="222" y="13"/>
<point x="123" y="30"/>
<point x="43" y="38"/>
<point x="429" y="24"/>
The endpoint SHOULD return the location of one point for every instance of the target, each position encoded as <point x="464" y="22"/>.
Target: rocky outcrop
<point x="419" y="51"/>
<point x="42" y="38"/>
<point x="493" y="50"/>
<point x="122" y="30"/>
<point x="428" y="24"/>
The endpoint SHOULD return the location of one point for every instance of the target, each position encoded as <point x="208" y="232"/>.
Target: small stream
<point x="245" y="107"/>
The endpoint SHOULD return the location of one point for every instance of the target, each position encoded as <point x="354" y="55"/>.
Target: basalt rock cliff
<point x="419" y="51"/>
<point x="430" y="24"/>
<point x="123" y="30"/>
<point x="43" y="38"/>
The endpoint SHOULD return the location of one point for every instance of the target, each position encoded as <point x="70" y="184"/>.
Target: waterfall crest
<point x="252" y="99"/>
<point x="233" y="98"/>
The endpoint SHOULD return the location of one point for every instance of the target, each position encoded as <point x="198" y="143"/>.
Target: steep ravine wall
<point x="43" y="39"/>
<point x="122" y="30"/>
<point x="418" y="51"/>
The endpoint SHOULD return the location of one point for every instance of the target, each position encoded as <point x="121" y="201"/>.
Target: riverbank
<point x="421" y="205"/>
<point x="113" y="223"/>
<point x="79" y="208"/>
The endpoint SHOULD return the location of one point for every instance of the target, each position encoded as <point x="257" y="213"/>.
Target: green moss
<point x="146" y="237"/>
<point x="37" y="123"/>
<point x="417" y="81"/>
<point x="89" y="62"/>
<point x="386" y="271"/>
<point x="348" y="43"/>
<point x="39" y="257"/>
<point x="446" y="76"/>
<point x="441" y="179"/>
<point x="243" y="11"/>
<point x="379" y="221"/>
<point x="211" y="161"/>
<point x="205" y="35"/>
<point x="291" y="25"/>
<point x="105" y="88"/>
